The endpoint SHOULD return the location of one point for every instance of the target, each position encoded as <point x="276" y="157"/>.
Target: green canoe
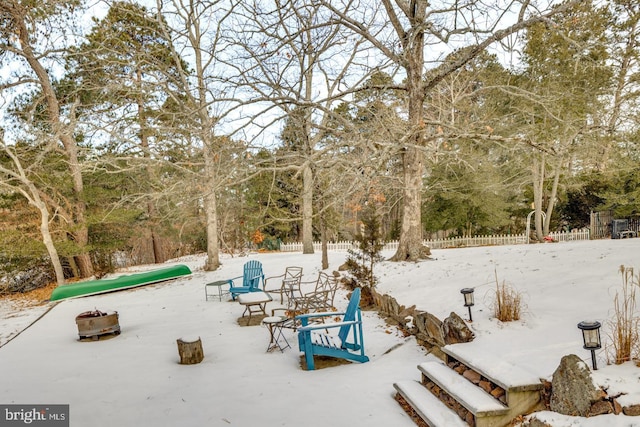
<point x="94" y="287"/>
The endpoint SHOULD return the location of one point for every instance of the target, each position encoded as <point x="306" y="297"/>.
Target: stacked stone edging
<point x="480" y="380"/>
<point x="452" y="403"/>
<point x="430" y="331"/>
<point x="406" y="406"/>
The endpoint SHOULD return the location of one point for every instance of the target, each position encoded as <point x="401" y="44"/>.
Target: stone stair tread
<point x="469" y="395"/>
<point x="428" y="406"/>
<point x="502" y="373"/>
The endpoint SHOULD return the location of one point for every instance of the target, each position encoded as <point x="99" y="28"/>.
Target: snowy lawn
<point x="135" y="380"/>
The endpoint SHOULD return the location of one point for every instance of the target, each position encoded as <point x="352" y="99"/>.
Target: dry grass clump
<point x="624" y="337"/>
<point x="508" y="304"/>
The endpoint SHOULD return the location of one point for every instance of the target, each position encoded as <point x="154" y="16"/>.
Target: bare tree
<point x="419" y="28"/>
<point x="15" y="177"/>
<point x="625" y="54"/>
<point x="194" y="29"/>
<point x="294" y="64"/>
<point x="565" y="78"/>
<point x="24" y="34"/>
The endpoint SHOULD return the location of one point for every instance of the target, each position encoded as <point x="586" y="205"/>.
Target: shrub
<point x="508" y="303"/>
<point x="624" y="324"/>
<point x="360" y="262"/>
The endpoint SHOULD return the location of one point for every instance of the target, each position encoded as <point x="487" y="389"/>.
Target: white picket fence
<point x="453" y="242"/>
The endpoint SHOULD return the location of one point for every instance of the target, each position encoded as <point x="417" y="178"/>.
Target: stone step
<point x="482" y="391"/>
<point x="427" y="406"/>
<point x="506" y="375"/>
<point x="473" y="398"/>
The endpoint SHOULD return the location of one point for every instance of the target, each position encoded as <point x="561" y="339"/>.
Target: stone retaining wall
<point x="429" y="331"/>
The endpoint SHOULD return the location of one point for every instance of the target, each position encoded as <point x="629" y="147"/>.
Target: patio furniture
<point x="320" y="299"/>
<point x="346" y="344"/>
<point x="289" y="315"/>
<point x="252" y="278"/>
<point x="218" y="284"/>
<point x="289" y="283"/>
<point x="620" y="229"/>
<point x="254" y="302"/>
<point x="275" y="324"/>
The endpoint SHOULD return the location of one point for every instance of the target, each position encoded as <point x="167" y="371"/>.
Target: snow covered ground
<point x="135" y="379"/>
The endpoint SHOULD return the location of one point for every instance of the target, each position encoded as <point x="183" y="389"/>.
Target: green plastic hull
<point x="94" y="287"/>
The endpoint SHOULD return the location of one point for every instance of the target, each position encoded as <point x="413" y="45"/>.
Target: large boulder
<point x="429" y="329"/>
<point x="455" y="330"/>
<point x="572" y="388"/>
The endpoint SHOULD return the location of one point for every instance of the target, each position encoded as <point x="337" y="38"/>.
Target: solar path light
<point x="591" y="338"/>
<point x="467" y="293"/>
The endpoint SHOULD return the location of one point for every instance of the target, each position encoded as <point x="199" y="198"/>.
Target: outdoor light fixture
<point x="468" y="300"/>
<point x="591" y="338"/>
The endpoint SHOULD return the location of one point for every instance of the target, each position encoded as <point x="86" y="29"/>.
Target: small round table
<point x="275" y="324"/>
<point x="217" y="284"/>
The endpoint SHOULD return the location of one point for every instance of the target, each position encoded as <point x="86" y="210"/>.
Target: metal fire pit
<point x="94" y="324"/>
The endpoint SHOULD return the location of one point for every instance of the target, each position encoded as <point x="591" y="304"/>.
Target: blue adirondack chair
<point x="346" y="344"/>
<point x="252" y="278"/>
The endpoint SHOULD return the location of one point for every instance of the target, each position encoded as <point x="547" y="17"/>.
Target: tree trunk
<point x="84" y="264"/>
<point x="552" y="199"/>
<point x="156" y="241"/>
<point x="211" y="208"/>
<point x="323" y="239"/>
<point x="190" y="351"/>
<point x="307" y="209"/>
<point x="46" y="236"/>
<point x="211" y="213"/>
<point x="538" y="190"/>
<point x="410" y="245"/>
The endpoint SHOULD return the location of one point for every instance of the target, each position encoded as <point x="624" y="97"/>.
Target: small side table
<point x="275" y="324"/>
<point x="254" y="302"/>
<point x="217" y="284"/>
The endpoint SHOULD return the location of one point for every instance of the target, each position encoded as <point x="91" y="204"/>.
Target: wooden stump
<point x="190" y="351"/>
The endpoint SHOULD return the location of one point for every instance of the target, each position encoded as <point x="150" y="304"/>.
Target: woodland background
<point x="135" y="132"/>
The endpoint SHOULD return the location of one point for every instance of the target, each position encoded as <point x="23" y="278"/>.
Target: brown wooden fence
<point x="600" y="224"/>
